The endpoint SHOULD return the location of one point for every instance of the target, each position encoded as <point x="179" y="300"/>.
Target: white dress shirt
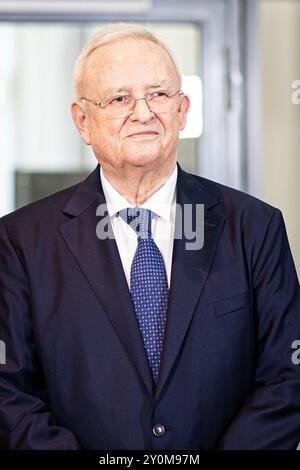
<point x="162" y="203"/>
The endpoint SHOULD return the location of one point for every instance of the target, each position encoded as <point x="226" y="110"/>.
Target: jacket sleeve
<point x="26" y="421"/>
<point x="270" y="417"/>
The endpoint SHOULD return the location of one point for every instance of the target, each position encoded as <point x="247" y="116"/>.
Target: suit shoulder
<point x="45" y="207"/>
<point x="235" y="200"/>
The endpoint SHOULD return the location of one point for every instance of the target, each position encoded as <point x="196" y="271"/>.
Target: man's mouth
<point x="143" y="133"/>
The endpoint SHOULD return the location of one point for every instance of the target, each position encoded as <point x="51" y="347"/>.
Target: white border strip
<point x="73" y="6"/>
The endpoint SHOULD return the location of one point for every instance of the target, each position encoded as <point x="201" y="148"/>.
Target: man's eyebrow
<point x="112" y="91"/>
<point x="163" y="83"/>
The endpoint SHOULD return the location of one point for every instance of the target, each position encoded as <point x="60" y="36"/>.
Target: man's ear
<point x="183" y="110"/>
<point x="81" y="119"/>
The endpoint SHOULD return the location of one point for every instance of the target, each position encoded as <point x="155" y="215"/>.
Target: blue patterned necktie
<point x="148" y="286"/>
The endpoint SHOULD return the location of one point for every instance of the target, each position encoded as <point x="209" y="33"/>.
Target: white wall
<point x="280" y="65"/>
<point x="43" y="89"/>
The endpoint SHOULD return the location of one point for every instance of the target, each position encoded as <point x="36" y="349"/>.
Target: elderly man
<point x="134" y="341"/>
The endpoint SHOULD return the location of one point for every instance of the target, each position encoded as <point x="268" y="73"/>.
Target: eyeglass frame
<point x="99" y="103"/>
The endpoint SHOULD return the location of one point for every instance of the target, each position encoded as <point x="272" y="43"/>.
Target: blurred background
<point x="241" y="65"/>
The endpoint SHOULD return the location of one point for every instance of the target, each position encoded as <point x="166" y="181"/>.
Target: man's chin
<point x="143" y="159"/>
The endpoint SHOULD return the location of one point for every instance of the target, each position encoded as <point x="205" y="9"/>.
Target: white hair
<point x="113" y="33"/>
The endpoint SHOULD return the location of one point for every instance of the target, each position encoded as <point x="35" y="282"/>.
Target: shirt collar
<point x="160" y="202"/>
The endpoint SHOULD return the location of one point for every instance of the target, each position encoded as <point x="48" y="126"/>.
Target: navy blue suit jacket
<point x="76" y="373"/>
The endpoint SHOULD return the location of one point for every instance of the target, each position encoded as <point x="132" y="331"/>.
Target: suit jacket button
<point x="158" y="430"/>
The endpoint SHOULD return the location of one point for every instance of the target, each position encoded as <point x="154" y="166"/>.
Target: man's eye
<point x="159" y="94"/>
<point x="121" y="99"/>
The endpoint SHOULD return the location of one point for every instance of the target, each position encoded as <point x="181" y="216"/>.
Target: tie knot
<point x="139" y="220"/>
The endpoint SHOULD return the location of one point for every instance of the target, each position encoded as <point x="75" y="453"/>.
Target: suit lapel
<point x="101" y="265"/>
<point x="189" y="270"/>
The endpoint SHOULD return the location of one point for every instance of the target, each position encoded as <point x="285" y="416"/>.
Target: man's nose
<point x="141" y="111"/>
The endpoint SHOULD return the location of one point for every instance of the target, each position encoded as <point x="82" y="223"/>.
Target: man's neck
<point x="138" y="186"/>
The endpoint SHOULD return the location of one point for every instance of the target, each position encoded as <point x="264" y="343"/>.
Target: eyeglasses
<point x="117" y="106"/>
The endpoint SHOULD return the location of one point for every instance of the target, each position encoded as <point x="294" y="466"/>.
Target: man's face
<point x="143" y="138"/>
